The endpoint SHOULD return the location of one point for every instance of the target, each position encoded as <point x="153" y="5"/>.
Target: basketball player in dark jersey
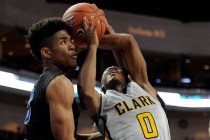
<point x="52" y="112"/>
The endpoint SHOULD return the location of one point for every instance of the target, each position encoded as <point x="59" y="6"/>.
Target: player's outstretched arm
<point x="89" y="97"/>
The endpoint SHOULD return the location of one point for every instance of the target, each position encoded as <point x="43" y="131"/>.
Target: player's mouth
<point x="74" y="57"/>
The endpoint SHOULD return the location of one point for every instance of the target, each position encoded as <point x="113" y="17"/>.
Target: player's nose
<point x="112" y="68"/>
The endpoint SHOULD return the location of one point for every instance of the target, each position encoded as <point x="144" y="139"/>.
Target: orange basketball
<point x="74" y="17"/>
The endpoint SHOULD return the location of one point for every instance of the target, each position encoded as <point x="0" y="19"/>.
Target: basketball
<point x="74" y="15"/>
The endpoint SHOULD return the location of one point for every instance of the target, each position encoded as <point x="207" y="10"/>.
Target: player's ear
<point x="46" y="52"/>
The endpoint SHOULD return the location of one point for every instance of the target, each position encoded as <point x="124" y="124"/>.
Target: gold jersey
<point x="135" y="115"/>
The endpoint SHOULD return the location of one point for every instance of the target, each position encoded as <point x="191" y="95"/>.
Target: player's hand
<point x="91" y="31"/>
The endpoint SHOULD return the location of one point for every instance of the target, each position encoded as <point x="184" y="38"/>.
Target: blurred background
<point x="174" y="38"/>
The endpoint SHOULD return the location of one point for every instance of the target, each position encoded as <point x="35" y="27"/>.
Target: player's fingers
<point x="92" y="25"/>
<point x="91" y="22"/>
<point x="97" y="24"/>
<point x="85" y="24"/>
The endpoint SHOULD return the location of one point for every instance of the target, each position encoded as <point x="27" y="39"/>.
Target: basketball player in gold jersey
<point x="129" y="108"/>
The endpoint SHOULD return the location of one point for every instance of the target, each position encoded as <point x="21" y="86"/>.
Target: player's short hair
<point x="127" y="80"/>
<point x="40" y="33"/>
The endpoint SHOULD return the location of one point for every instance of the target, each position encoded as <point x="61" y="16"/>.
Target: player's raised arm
<point x="89" y="98"/>
<point x="128" y="55"/>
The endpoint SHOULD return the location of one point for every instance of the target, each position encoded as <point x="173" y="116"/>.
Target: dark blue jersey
<point x="37" y="121"/>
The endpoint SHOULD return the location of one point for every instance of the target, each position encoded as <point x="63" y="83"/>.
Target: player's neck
<point x="119" y="88"/>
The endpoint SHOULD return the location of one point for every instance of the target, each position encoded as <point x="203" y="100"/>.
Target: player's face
<point x="63" y="52"/>
<point x="113" y="75"/>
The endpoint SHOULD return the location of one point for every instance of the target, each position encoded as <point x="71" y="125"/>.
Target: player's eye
<point x="63" y="42"/>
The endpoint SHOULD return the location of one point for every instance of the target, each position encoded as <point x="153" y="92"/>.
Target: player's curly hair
<point x="40" y="33"/>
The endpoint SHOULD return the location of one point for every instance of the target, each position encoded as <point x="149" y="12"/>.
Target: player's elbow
<point x="130" y="41"/>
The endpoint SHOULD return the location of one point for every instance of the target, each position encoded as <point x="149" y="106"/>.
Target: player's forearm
<point x="119" y="44"/>
<point x="87" y="76"/>
<point x="117" y="41"/>
<point x="118" y="58"/>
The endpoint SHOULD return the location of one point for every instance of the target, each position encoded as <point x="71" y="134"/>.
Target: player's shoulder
<point x="61" y="81"/>
<point x="59" y="87"/>
<point x="147" y="87"/>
